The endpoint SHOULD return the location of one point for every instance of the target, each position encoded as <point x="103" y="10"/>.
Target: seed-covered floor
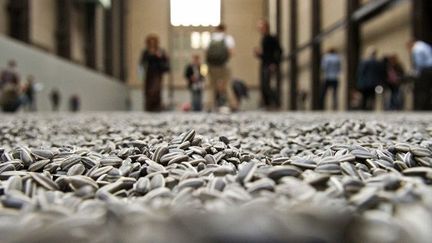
<point x="248" y="177"/>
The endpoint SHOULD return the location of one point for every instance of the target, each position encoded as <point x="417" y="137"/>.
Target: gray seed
<point x="142" y="186"/>
<point x="246" y="172"/>
<point x="193" y="182"/>
<point x="157" y="181"/>
<point x="38" y="165"/>
<point x="14" y="183"/>
<point x="278" y="172"/>
<point x="77" y="169"/>
<point x="44" y="181"/>
<point x="111" y="161"/>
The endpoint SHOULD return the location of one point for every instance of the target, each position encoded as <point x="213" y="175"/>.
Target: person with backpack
<point x="218" y="53"/>
<point x="195" y="82"/>
<point x="270" y="54"/>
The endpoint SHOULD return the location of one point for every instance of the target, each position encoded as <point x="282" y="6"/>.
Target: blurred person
<point x="154" y="63"/>
<point x="29" y="94"/>
<point x="270" y="54"/>
<point x="74" y="103"/>
<point x="421" y="53"/>
<point x="240" y="89"/>
<point x="9" y="75"/>
<point x="394" y="77"/>
<point x="55" y="99"/>
<point x="370" y="74"/>
<point x="331" y="68"/>
<point x="11" y="97"/>
<point x="10" y="89"/>
<point x="218" y="54"/>
<point x="195" y="82"/>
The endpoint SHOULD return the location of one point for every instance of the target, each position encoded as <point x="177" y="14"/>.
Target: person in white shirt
<point x="422" y="63"/>
<point x="218" y="54"/>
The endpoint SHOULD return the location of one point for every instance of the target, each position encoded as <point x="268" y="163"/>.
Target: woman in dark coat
<point x="154" y="63"/>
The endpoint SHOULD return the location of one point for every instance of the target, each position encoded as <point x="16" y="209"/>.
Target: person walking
<point x="195" y="82"/>
<point x="270" y="54"/>
<point x="422" y="63"/>
<point x="154" y="63"/>
<point x="10" y="90"/>
<point x="371" y="73"/>
<point x="55" y="99"/>
<point x="218" y="54"/>
<point x="29" y="93"/>
<point x="74" y="103"/>
<point x="9" y="75"/>
<point x="331" y="68"/>
<point x="394" y="77"/>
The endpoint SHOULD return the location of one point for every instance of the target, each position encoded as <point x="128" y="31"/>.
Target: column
<point x="353" y="42"/>
<point x="316" y="55"/>
<point x="293" y="69"/>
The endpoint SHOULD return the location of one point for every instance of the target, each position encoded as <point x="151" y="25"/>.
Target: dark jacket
<point x="371" y="73"/>
<point x="271" y="50"/>
<point x="189" y="73"/>
<point x="153" y="63"/>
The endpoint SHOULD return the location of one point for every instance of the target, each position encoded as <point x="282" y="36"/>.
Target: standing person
<point x="9" y="75"/>
<point x="154" y="63"/>
<point x="331" y="68"/>
<point x="195" y="82"/>
<point x="10" y="91"/>
<point x="74" y="103"/>
<point x="29" y="92"/>
<point x="219" y="51"/>
<point x="422" y="62"/>
<point x="270" y="54"/>
<point x="55" y="99"/>
<point x="371" y="73"/>
<point x="394" y="76"/>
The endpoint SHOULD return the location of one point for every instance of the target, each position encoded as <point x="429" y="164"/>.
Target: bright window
<point x="200" y="40"/>
<point x="195" y="12"/>
<point x="195" y="40"/>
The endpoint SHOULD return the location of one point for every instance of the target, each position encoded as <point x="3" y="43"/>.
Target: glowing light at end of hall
<point x="195" y="12"/>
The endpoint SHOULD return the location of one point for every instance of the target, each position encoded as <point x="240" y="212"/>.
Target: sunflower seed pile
<point x="132" y="177"/>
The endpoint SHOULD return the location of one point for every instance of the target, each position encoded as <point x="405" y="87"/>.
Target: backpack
<point x="217" y="53"/>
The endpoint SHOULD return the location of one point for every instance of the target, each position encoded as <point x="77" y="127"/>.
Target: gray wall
<point x="98" y="92"/>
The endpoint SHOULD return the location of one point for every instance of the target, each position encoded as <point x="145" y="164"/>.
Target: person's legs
<point x="192" y="96"/>
<point x="394" y="103"/>
<point x="153" y="92"/>
<point x="199" y="100"/>
<point x="334" y="86"/>
<point x="158" y="92"/>
<point x="196" y="100"/>
<point x="371" y="99"/>
<point x="428" y="80"/>
<point x="323" y="93"/>
<point x="278" y="88"/>
<point x="421" y="92"/>
<point x="211" y="92"/>
<point x="365" y="98"/>
<point x="265" y="86"/>
<point x="226" y="88"/>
